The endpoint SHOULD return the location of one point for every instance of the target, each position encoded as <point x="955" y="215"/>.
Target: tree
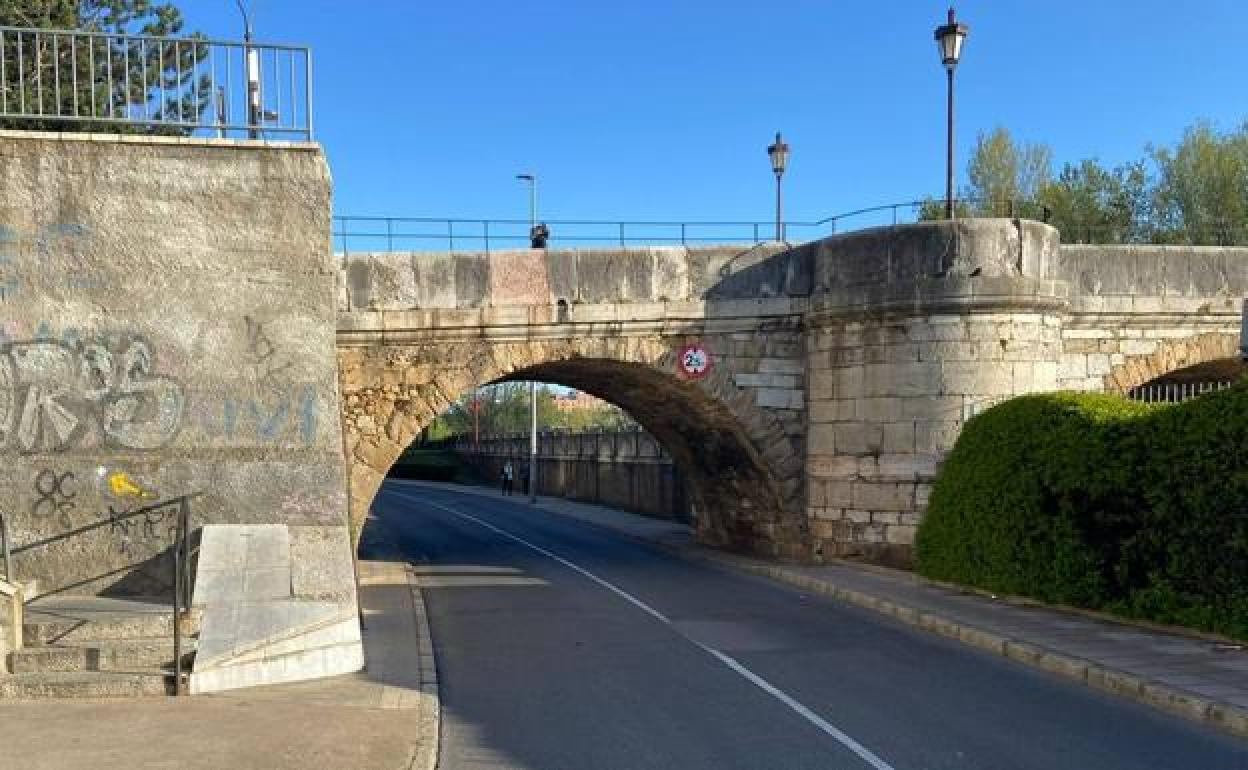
<point x="100" y="78"/>
<point x="1004" y="178"/>
<point x="1201" y="194"/>
<point x="504" y="410"/>
<point x="1002" y="172"/>
<point x="1196" y="192"/>
<point x="607" y="417"/>
<point x="1091" y="204"/>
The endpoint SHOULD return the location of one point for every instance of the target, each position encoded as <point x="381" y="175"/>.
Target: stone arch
<point x="744" y="470"/>
<point x="1171" y="354"/>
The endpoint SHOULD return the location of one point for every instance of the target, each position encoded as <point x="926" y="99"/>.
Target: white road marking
<point x="841" y="737"/>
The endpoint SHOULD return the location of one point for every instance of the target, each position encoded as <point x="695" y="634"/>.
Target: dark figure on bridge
<point x="539" y="235"/>
<point x="508" y="475"/>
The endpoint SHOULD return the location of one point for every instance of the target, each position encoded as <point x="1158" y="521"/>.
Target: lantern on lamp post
<point x="949" y="39"/>
<point x="779" y="155"/>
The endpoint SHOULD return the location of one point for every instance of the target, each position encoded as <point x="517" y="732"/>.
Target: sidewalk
<point x="1194" y="676"/>
<point x="379" y="718"/>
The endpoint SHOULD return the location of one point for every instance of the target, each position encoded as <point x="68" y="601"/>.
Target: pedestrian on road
<point x="508" y="475"/>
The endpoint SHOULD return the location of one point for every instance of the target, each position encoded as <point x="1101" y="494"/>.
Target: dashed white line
<point x="819" y="722"/>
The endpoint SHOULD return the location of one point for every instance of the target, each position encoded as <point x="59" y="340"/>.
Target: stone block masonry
<point x="911" y="331"/>
<point x="844" y="369"/>
<point x="1139" y="312"/>
<point x="416" y="331"/>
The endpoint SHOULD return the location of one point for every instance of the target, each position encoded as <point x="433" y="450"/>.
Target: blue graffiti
<point x="8" y="244"/>
<point x="267" y="420"/>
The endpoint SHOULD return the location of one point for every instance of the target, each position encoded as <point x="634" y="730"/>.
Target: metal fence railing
<point x="363" y="234"/>
<point x="7" y="549"/>
<point x="88" y="81"/>
<point x="1174" y="392"/>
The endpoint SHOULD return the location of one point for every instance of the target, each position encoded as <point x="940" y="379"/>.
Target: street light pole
<point x="779" y="154"/>
<point x="949" y="39"/>
<point x="532" y="180"/>
<point x="949" y="148"/>
<point x="252" y="62"/>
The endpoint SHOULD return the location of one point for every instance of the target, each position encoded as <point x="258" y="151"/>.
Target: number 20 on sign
<point x="694" y="362"/>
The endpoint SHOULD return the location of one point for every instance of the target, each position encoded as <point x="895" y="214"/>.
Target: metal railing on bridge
<point x="74" y="80"/>
<point x="1175" y="392"/>
<point x="362" y="233"/>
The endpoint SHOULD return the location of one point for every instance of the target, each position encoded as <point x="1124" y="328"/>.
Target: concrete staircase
<point x="94" y="647"/>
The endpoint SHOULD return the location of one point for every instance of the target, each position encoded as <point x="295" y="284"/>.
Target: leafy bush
<point x="1096" y="501"/>
<point x="428" y="465"/>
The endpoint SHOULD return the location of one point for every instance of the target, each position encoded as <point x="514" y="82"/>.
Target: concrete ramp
<point x="261" y="623"/>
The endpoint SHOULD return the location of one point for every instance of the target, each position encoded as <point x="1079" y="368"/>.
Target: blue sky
<point x="648" y="109"/>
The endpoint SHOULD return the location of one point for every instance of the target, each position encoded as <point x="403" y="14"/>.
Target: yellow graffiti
<point x="122" y="485"/>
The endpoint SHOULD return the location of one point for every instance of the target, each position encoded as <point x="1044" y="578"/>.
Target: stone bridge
<point x="842" y="369"/>
<point x="416" y="331"/>
<point x="174" y="322"/>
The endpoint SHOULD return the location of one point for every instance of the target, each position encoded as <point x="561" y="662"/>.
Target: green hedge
<point x="1096" y="501"/>
<point x="429" y="465"/>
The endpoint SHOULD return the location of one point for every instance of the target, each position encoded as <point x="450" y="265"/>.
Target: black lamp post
<point x="779" y="154"/>
<point x="949" y="39"/>
<point x="532" y="181"/>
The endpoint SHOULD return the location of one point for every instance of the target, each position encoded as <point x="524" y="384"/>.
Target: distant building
<point x="575" y="400"/>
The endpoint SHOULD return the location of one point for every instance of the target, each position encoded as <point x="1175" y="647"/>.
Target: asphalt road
<point x="561" y="645"/>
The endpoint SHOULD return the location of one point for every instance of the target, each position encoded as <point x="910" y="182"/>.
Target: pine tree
<point x="101" y="83"/>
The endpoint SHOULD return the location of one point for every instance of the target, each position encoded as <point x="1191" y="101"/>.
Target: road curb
<point x="429" y="719"/>
<point x="1223" y="716"/>
<point x="1214" y="713"/>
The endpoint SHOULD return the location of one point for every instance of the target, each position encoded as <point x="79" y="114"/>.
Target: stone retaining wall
<point x="628" y="470"/>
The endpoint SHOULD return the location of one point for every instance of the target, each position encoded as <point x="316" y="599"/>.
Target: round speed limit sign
<point x="695" y="361"/>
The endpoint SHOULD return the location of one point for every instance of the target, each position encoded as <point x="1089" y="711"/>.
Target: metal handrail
<point x="96" y="81"/>
<point x="489" y="232"/>
<point x="181" y="586"/>
<point x="181" y="572"/>
<point x="8" y="557"/>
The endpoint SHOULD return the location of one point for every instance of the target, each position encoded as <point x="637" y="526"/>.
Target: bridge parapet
<point x="1141" y="311"/>
<point x="390" y="281"/>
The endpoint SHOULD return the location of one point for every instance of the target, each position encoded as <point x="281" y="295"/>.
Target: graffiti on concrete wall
<point x="66" y="240"/>
<point x="10" y="283"/>
<point x="55" y="396"/>
<point x="119" y="500"/>
<point x="268" y="419"/>
<point x="54" y="496"/>
<point x="268" y="363"/>
<point x="146" y="524"/>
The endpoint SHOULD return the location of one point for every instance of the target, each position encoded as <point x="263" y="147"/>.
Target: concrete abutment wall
<point x="167" y="309"/>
